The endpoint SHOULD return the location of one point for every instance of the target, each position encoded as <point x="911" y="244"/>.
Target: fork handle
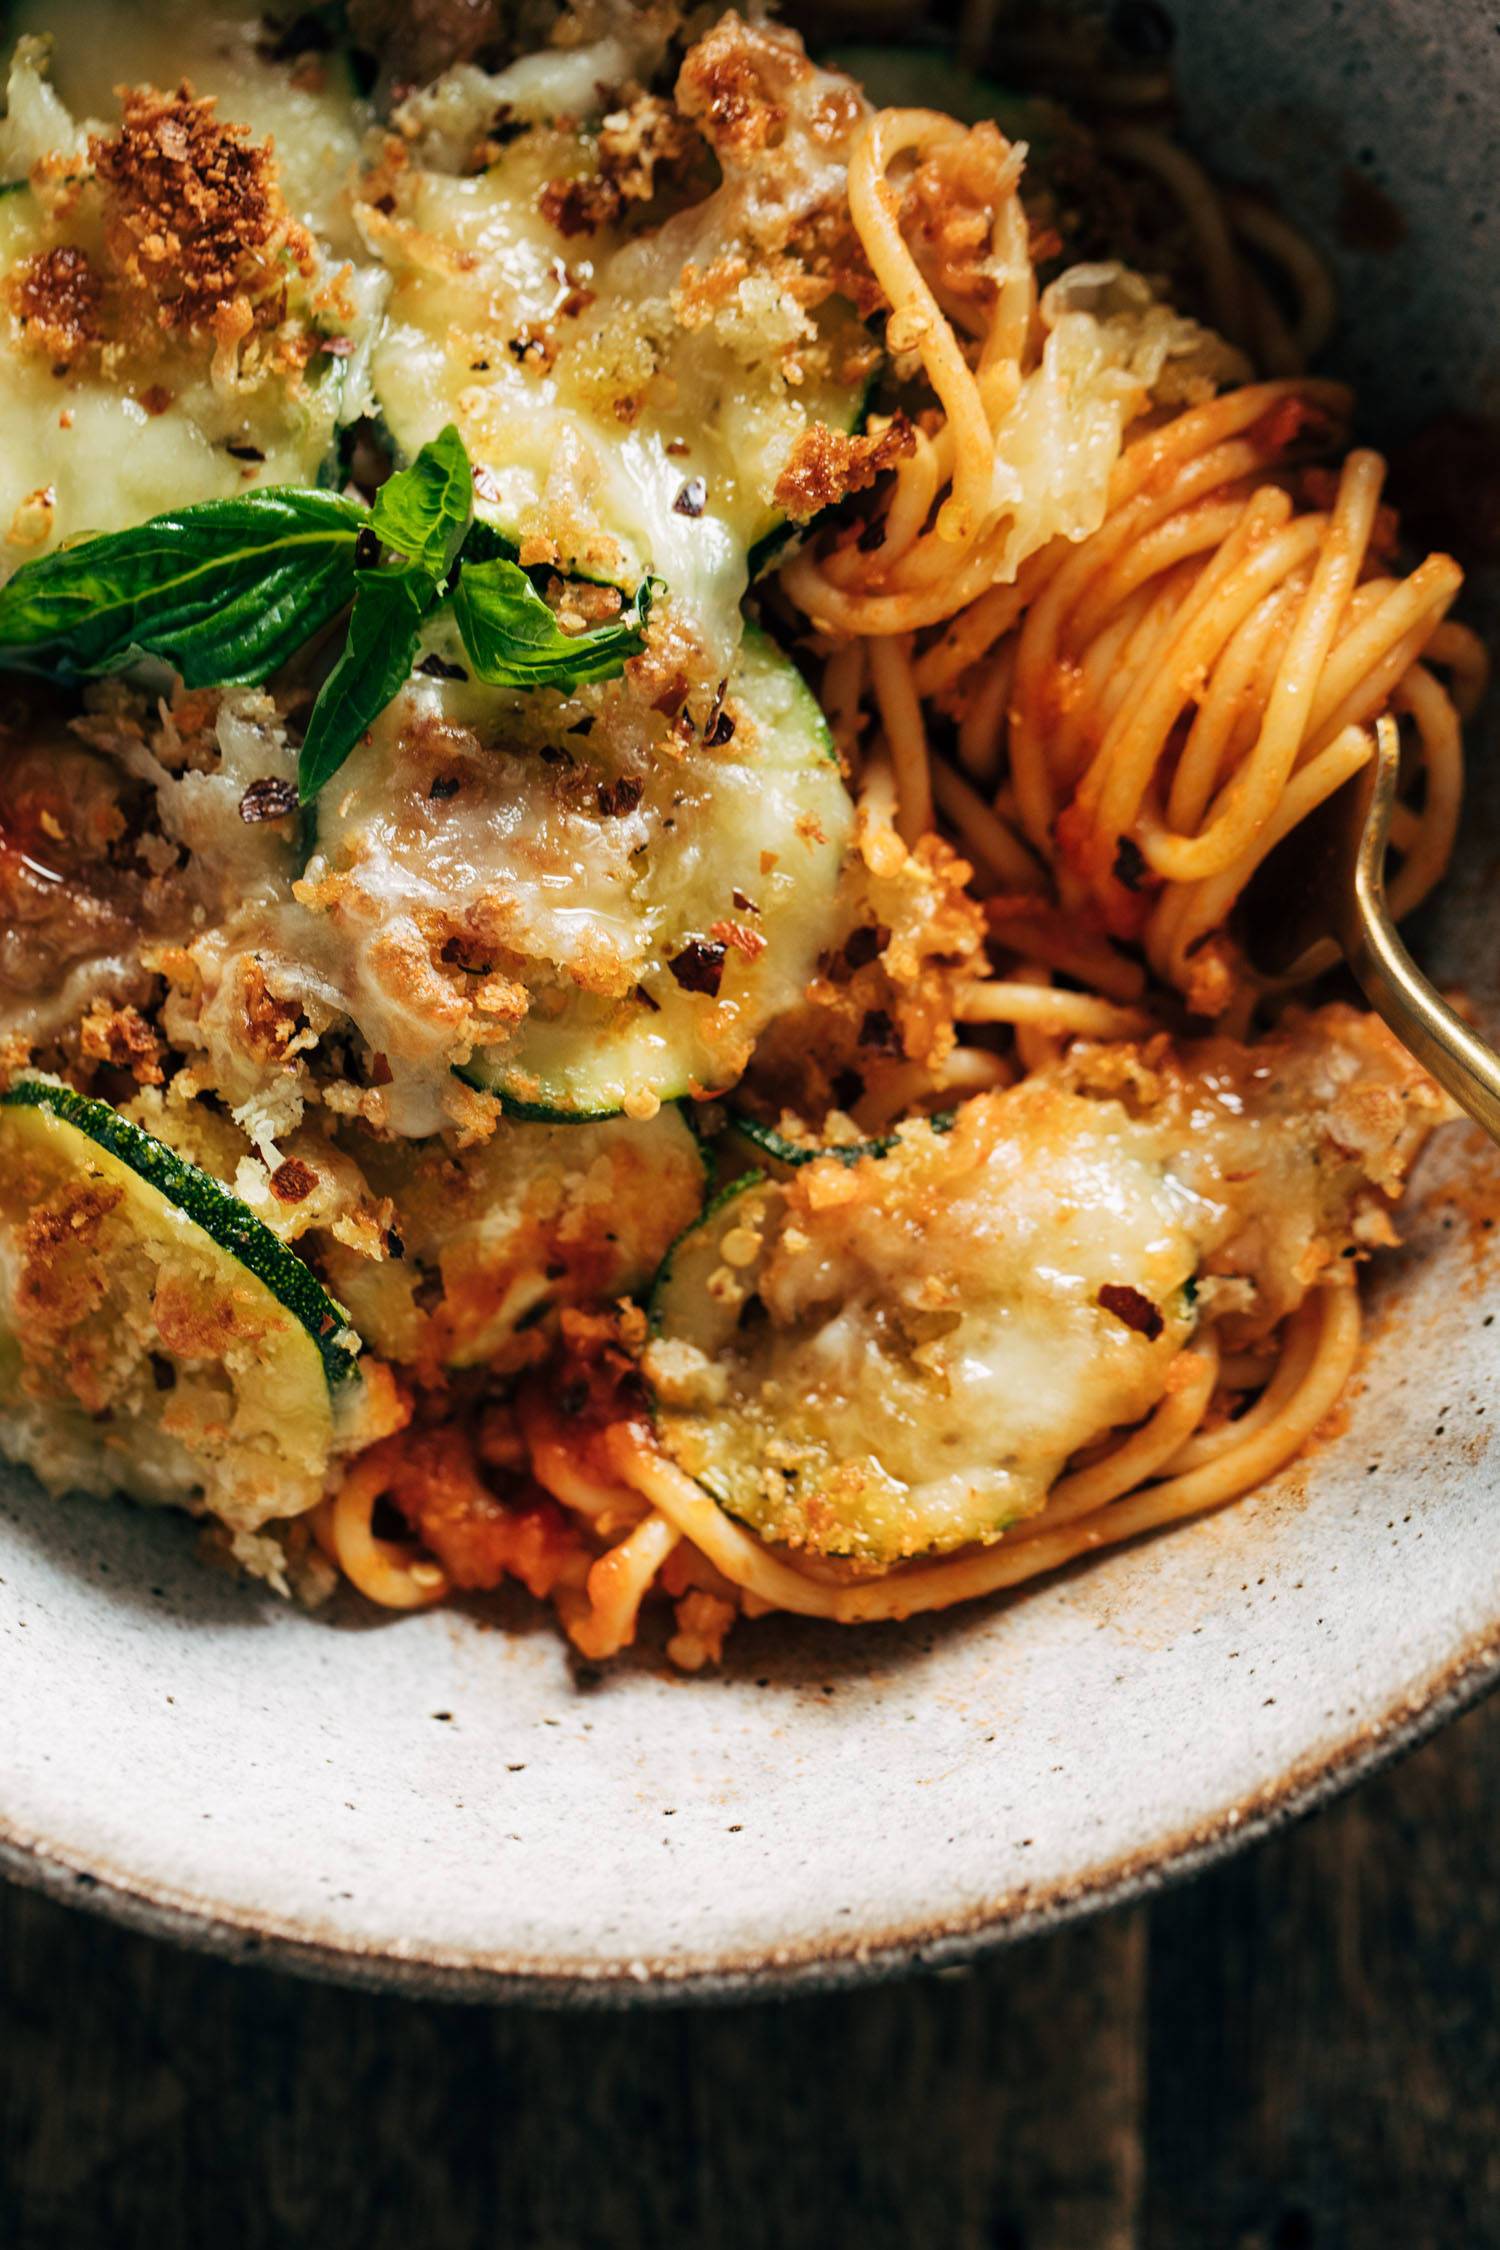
<point x="1461" y="1062"/>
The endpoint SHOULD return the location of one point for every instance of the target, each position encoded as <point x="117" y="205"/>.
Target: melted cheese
<point x="925" y="1346"/>
<point x="591" y="377"/>
<point x="504" y="884"/>
<point x="305" y="105"/>
<point x="901" y="1356"/>
<point x="123" y="432"/>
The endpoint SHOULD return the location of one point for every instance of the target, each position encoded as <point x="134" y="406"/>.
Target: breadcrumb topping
<point x="194" y="215"/>
<point x="641" y="150"/>
<point x="732" y="82"/>
<point x="825" y="465"/>
<point x="57" y="296"/>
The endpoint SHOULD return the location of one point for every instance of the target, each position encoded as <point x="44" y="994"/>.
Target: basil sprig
<point x="513" y="639"/>
<point x="375" y="664"/>
<point x="227" y="591"/>
<point x="421" y="515"/>
<point x="424" y="512"/>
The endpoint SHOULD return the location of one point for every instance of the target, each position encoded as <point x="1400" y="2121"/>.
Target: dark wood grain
<point x="140" y="2085"/>
<point x="1299" y="2052"/>
<point x="1324" y="2025"/>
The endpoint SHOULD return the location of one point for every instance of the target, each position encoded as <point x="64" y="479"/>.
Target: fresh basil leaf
<point x="423" y="512"/>
<point x="513" y="639"/>
<point x="225" y="591"/>
<point x="389" y="606"/>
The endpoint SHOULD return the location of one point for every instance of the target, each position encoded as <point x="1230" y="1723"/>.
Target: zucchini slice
<point x="897" y="1357"/>
<point x="763" y="1144"/>
<point x="112" y="410"/>
<point x="307" y="103"/>
<point x="622" y="425"/>
<point x="161" y="1339"/>
<point x="628" y="910"/>
<point x="497" y="1238"/>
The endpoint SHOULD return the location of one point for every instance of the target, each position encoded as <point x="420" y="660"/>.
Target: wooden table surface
<point x="1300" y="2051"/>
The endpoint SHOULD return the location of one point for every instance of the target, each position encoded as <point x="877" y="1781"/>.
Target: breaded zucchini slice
<point x="606" y="312"/>
<point x="159" y="1338"/>
<point x="492" y="1241"/>
<point x="896" y="1357"/>
<point x="899" y="1355"/>
<point x="587" y="913"/>
<point x="135" y="377"/>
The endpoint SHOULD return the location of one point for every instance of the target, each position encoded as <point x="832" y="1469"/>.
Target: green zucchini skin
<point x="718" y="1199"/>
<point x="530" y="1113"/>
<point x="767" y="1142"/>
<point x="209" y="1205"/>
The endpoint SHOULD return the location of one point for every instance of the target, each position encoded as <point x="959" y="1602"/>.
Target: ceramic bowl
<point x="449" y="1802"/>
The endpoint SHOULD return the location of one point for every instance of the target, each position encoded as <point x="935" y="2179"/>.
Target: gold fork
<point x="1324" y="893"/>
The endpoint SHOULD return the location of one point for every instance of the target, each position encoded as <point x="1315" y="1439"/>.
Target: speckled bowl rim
<point x="825" y="1964"/>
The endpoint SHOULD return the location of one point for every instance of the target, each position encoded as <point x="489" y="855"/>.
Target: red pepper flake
<point x="692" y="499"/>
<point x="673" y="696"/>
<point x="268" y="799"/>
<point x="699" y="967"/>
<point x="484" y="484"/>
<point x="617" y="798"/>
<point x="293" y="1181"/>
<point x="1134" y="1308"/>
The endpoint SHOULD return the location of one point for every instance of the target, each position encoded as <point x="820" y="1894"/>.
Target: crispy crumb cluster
<point x="58" y="297"/>
<point x="194" y="217"/>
